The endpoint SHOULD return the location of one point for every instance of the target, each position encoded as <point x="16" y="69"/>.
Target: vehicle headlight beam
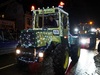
<point x="41" y="54"/>
<point x="18" y="51"/>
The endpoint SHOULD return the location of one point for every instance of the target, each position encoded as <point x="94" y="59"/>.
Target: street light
<point x="91" y="23"/>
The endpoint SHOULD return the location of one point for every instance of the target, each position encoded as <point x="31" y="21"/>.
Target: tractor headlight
<point x="18" y="51"/>
<point x="41" y="54"/>
<point x="93" y="30"/>
<point x="76" y="29"/>
<point x="84" y="41"/>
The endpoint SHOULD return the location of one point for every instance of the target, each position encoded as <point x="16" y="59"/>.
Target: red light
<point x="65" y="37"/>
<point x="61" y="4"/>
<point x="33" y="8"/>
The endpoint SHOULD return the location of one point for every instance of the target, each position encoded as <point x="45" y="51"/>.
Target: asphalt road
<point x="8" y="65"/>
<point x="85" y="65"/>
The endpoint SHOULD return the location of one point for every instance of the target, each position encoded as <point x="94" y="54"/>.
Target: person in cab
<point x="52" y="22"/>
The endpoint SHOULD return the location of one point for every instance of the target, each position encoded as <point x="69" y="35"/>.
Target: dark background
<point x="80" y="11"/>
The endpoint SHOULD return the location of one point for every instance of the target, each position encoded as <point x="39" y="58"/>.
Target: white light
<point x="43" y="7"/>
<point x="76" y="29"/>
<point x="18" y="51"/>
<point x="30" y="44"/>
<point x="52" y="6"/>
<point x="41" y="54"/>
<point x="38" y="8"/>
<point x="83" y="41"/>
<point x="47" y="7"/>
<point x="93" y="29"/>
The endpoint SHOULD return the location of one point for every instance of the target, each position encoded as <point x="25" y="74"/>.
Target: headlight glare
<point x="93" y="30"/>
<point x="41" y="54"/>
<point x="18" y="51"/>
<point x="83" y="41"/>
<point x="76" y="30"/>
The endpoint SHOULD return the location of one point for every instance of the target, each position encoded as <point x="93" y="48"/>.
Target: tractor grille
<point x="28" y="39"/>
<point x="27" y="55"/>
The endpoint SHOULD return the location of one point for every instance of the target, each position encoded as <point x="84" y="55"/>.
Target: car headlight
<point x="41" y="54"/>
<point x="18" y="51"/>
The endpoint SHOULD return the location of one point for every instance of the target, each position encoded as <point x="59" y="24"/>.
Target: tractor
<point x="44" y="40"/>
<point x="86" y="34"/>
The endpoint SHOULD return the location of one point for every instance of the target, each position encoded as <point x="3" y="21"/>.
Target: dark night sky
<point x="79" y="10"/>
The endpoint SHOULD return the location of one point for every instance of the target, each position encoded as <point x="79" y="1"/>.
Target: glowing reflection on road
<point x="86" y="63"/>
<point x="97" y="42"/>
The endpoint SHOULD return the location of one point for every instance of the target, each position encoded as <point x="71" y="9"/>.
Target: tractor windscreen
<point x="45" y="20"/>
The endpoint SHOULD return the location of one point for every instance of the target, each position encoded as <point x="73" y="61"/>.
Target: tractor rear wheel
<point x="75" y="53"/>
<point x="60" y="59"/>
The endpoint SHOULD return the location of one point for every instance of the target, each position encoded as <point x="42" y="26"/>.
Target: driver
<point x="52" y="22"/>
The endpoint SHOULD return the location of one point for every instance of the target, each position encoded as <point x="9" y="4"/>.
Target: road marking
<point x="6" y="66"/>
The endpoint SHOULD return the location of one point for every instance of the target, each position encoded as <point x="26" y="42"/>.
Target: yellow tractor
<point x="48" y="39"/>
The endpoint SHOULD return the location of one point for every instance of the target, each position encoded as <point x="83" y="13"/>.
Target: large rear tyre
<point x="60" y="59"/>
<point x="92" y="43"/>
<point x="98" y="47"/>
<point x="75" y="53"/>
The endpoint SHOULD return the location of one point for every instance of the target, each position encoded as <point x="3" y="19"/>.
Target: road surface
<point x="85" y="65"/>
